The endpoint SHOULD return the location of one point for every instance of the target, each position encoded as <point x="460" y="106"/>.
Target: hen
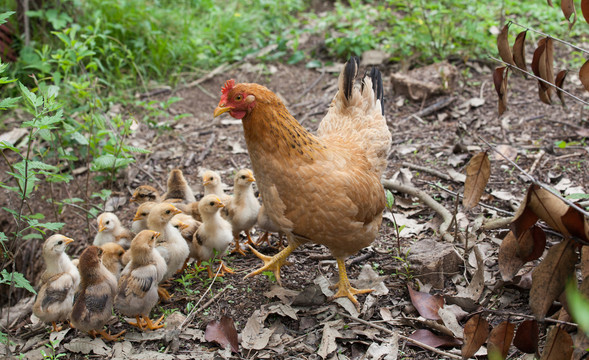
<point x="322" y="188"/>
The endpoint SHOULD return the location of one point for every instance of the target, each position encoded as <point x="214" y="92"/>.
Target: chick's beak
<point x="220" y="205"/>
<point x="101" y="227"/>
<point x="137" y="217"/>
<point x="183" y="226"/>
<point x="176" y="211"/>
<point x="251" y="179"/>
<point x="206" y="182"/>
<point x="133" y="199"/>
<point x="68" y="240"/>
<point x="221" y="109"/>
<point x="157" y="234"/>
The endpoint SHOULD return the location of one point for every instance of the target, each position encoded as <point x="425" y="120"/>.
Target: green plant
<point x="52" y="346"/>
<point x="406" y="266"/>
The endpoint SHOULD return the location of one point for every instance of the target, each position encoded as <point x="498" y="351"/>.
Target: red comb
<point x="228" y="86"/>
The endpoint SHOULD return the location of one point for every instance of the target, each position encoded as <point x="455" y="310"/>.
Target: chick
<point x="112" y="258"/>
<point x="187" y="225"/>
<point x="55" y="298"/>
<point x="178" y="189"/>
<point x="211" y="182"/>
<point x="171" y="244"/>
<point x="138" y="286"/>
<point x="111" y="230"/>
<point x="214" y="233"/>
<point x="140" y="220"/>
<point x="267" y="225"/>
<point x="94" y="298"/>
<point x="145" y="193"/>
<point x="242" y="211"/>
<point x="190" y="209"/>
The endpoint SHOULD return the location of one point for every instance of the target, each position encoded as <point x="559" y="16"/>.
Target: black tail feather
<point x="377" y="86"/>
<point x="350" y="73"/>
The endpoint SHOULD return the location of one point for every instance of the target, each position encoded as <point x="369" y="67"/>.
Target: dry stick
<point x="532" y="179"/>
<point x="408" y="339"/>
<point x="537" y="161"/>
<point x="539" y="79"/>
<point x="438" y="105"/>
<point x="428" y="200"/>
<point x="192" y="312"/>
<point x="428" y="170"/>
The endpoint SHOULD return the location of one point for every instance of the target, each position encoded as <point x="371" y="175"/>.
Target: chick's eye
<point x="107" y="222"/>
<point x="167" y="211"/>
<point x="59" y="242"/>
<point x="211" y="203"/>
<point x="243" y="176"/>
<point x="238" y="98"/>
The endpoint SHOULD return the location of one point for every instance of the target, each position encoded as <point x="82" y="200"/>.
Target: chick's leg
<point x="273" y="263"/>
<point x="237" y="248"/>
<point x="225" y="269"/>
<point x="108" y="337"/>
<point x="163" y="294"/>
<point x="343" y="285"/>
<point x="55" y="327"/>
<point x="249" y="238"/>
<point x="153" y="325"/>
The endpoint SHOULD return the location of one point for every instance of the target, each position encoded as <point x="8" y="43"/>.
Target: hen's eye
<point x="211" y="203"/>
<point x="238" y="98"/>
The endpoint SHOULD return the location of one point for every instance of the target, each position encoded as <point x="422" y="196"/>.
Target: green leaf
<point x="29" y="96"/>
<point x="79" y="138"/>
<point x="5" y="15"/>
<point x="579" y="305"/>
<point x="390" y="199"/>
<point x="134" y="149"/>
<point x="53" y="226"/>
<point x="8" y="103"/>
<point x="6" y="145"/>
<point x="34" y="164"/>
<point x="108" y="161"/>
<point x="19" y="280"/>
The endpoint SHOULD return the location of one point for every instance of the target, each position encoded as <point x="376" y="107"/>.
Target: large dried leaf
<point x="524" y="217"/>
<point x="509" y="262"/>
<point x="585" y="9"/>
<point x="503" y="45"/>
<point x="429" y="338"/>
<point x="223" y="332"/>
<point x="478" y="172"/>
<point x="539" y="68"/>
<point x="531" y="244"/>
<point x="519" y="51"/>
<point x="559" y="345"/>
<point x="576" y="224"/>
<point x="584" y="74"/>
<point x="549" y="278"/>
<point x="550" y="3"/>
<point x="500" y="338"/>
<point x="476" y="331"/>
<point x="547" y="70"/>
<point x="568" y="9"/>
<point x="526" y="337"/>
<point x="559" y="82"/>
<point x="549" y="208"/>
<point x="328" y="344"/>
<point x="500" y="76"/>
<point x="451" y="322"/>
<point x="427" y="305"/>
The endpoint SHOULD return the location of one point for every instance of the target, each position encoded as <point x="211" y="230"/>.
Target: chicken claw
<point x="106" y="336"/>
<point x="55" y="327"/>
<point x="273" y="263"/>
<point x="153" y="325"/>
<point x="163" y="294"/>
<point x="237" y="248"/>
<point x="139" y="324"/>
<point x="343" y="285"/>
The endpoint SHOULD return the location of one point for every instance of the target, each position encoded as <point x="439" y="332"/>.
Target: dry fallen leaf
<point x="427" y="305"/>
<point x="503" y="45"/>
<point x="223" y="332"/>
<point x="576" y="224"/>
<point x="500" y="338"/>
<point x="584" y="72"/>
<point x="531" y="244"/>
<point x="500" y="76"/>
<point x="330" y="333"/>
<point x="526" y="337"/>
<point x="449" y="319"/>
<point x="429" y="338"/>
<point x="509" y="262"/>
<point x="539" y="63"/>
<point x="559" y="345"/>
<point x="86" y="345"/>
<point x="549" y="278"/>
<point x="559" y="82"/>
<point x="519" y="52"/>
<point x="548" y="207"/>
<point x="476" y="331"/>
<point x="568" y="9"/>
<point x="584" y="261"/>
<point x="478" y="172"/>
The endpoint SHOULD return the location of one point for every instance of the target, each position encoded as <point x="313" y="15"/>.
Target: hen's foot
<point x="343" y="285"/>
<point x="272" y="263"/>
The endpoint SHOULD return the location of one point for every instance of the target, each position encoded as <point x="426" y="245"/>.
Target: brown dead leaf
<point x="478" y="172"/>
<point x="584" y="261"/>
<point x="584" y="73"/>
<point x="539" y="68"/>
<point x="509" y="262"/>
<point x="531" y="244"/>
<point x="507" y="151"/>
<point x="559" y="345"/>
<point x="585" y="9"/>
<point x="427" y="305"/>
<point x="550" y="3"/>
<point x="451" y="322"/>
<point x="519" y="52"/>
<point x="547" y="69"/>
<point x="500" y="82"/>
<point x="559" y="81"/>
<point x="429" y="338"/>
<point x="524" y="217"/>
<point x="568" y="9"/>
<point x="526" y="337"/>
<point x="476" y="331"/>
<point x="330" y="333"/>
<point x="503" y="45"/>
<point x="548" y="207"/>
<point x="576" y="224"/>
<point x="549" y="278"/>
<point x="500" y="338"/>
<point x="223" y="332"/>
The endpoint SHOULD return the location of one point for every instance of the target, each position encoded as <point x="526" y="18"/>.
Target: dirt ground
<point x="443" y="141"/>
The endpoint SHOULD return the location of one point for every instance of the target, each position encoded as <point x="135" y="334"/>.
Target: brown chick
<point x="178" y="189"/>
<point x="138" y="286"/>
<point x="242" y="210"/>
<point x="187" y="225"/>
<point x="94" y="298"/>
<point x="322" y="188"/>
<point x="171" y="245"/>
<point x="59" y="282"/>
<point x="145" y="193"/>
<point x="112" y="258"/>
<point x="111" y="230"/>
<point x="214" y="234"/>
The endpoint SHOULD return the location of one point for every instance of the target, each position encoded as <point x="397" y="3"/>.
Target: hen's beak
<point x="221" y="110"/>
<point x="68" y="240"/>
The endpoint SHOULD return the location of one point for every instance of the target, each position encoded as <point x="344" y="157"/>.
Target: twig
<point x="552" y="37"/>
<point x="508" y="313"/>
<point x="360" y="258"/>
<point x="408" y="339"/>
<point x="428" y="170"/>
<point x="428" y="200"/>
<point x="537" y="161"/>
<point x="438" y="105"/>
<point x="532" y="179"/>
<point x="498" y="223"/>
<point x="194" y="310"/>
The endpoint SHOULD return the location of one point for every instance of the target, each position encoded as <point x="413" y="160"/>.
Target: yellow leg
<point x="343" y="286"/>
<point x="55" y="327"/>
<point x="273" y="263"/>
<point x="180" y="271"/>
<point x="249" y="238"/>
<point x="153" y="325"/>
<point x="225" y="269"/>
<point x="163" y="294"/>
<point x="237" y="248"/>
<point x="210" y="272"/>
<point x="139" y="324"/>
<point x="108" y="337"/>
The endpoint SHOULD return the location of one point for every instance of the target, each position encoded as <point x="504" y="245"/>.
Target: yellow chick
<point x="138" y="286"/>
<point x="213" y="234"/>
<point x="170" y="244"/>
<point x="140" y="220"/>
<point x="95" y="295"/>
<point x="112" y="258"/>
<point x="111" y="230"/>
<point x="178" y="189"/>
<point x="211" y="182"/>
<point x="242" y="211"/>
<point x="55" y="298"/>
<point x="145" y="193"/>
<point x="187" y="225"/>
